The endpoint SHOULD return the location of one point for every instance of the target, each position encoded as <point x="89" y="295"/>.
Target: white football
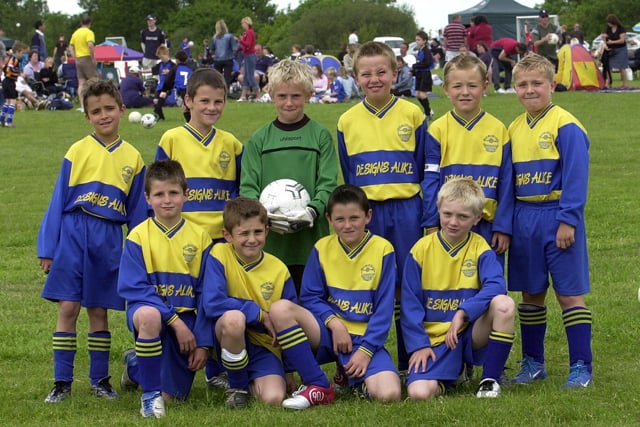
<point x="553" y="38"/>
<point x="283" y="196"/>
<point x="190" y="44"/>
<point x="148" y="121"/>
<point x="135" y="116"/>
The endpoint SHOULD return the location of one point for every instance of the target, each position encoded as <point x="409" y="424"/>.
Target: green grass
<point x="30" y="156"/>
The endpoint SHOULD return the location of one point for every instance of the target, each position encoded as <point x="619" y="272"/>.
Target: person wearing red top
<point x="480" y="30"/>
<point x="504" y="53"/>
<point x="248" y="48"/>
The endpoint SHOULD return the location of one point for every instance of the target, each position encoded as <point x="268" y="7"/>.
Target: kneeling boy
<point x="454" y="309"/>
<point x="160" y="278"/>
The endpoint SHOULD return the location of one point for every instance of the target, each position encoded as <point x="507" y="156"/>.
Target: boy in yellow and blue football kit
<point x="11" y="69"/>
<point x="241" y="282"/>
<point x="455" y="310"/>
<point x="381" y="148"/>
<point x="550" y="150"/>
<point x="347" y="295"/>
<point x="161" y="280"/>
<point x="99" y="189"/>
<point x="469" y="142"/>
<point x="211" y="160"/>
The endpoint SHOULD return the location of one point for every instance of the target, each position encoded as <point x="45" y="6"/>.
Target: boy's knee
<point x="423" y="390"/>
<point x="281" y="310"/>
<point x="231" y="323"/>
<point x="147" y="318"/>
<point x="503" y="306"/>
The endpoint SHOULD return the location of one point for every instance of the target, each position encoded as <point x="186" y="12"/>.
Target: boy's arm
<point x="573" y="145"/>
<point x="412" y="308"/>
<point x="137" y="207"/>
<point x="251" y="169"/>
<point x="49" y="232"/>
<point x="215" y="295"/>
<point x="503" y="221"/>
<point x="344" y="158"/>
<point x="313" y="293"/>
<point x="134" y="284"/>
<point x="431" y="183"/>
<point x="492" y="283"/>
<point x="380" y="321"/>
<point x="326" y="175"/>
<point x="204" y="326"/>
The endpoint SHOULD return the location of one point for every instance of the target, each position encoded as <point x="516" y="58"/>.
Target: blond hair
<point x="463" y="190"/>
<point x="221" y="28"/>
<point x="535" y="62"/>
<point x="375" y="49"/>
<point x="292" y="72"/>
<point x="465" y="63"/>
<point x="247" y="20"/>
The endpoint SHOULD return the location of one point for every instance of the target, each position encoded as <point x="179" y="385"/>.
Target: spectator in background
<point x="437" y="52"/>
<point x="132" y="90"/>
<point x="485" y="56"/>
<point x="296" y="52"/>
<point x="49" y="77"/>
<point x="59" y="50"/>
<point x="577" y="33"/>
<point x="81" y="46"/>
<point x="353" y="37"/>
<point x="347" y="61"/>
<point x="336" y="92"/>
<point x="504" y="52"/>
<point x="248" y="48"/>
<point x="454" y="37"/>
<point x="32" y="69"/>
<point x="263" y="63"/>
<point x="541" y="37"/>
<point x="407" y="58"/>
<point x="223" y="47"/>
<point x="348" y="83"/>
<point x="479" y="31"/>
<point x="186" y="45"/>
<point x="38" y="43"/>
<point x="403" y="83"/>
<point x="615" y="43"/>
<point x="320" y="83"/>
<point x="151" y="38"/>
<point x="342" y="53"/>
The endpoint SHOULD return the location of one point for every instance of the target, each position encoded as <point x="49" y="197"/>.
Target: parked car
<point x="393" y="42"/>
<point x="633" y="43"/>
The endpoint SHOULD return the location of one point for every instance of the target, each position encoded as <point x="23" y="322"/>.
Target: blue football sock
<point x="497" y="354"/>
<point x="533" y="327"/>
<point x="99" y="350"/>
<point x="297" y="352"/>
<point x="236" y="366"/>
<point x="577" y="325"/>
<point x="64" y="353"/>
<point x="149" y="354"/>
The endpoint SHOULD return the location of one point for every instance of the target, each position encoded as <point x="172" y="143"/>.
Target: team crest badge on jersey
<point x="490" y="143"/>
<point x="189" y="252"/>
<point x="546" y="140"/>
<point x="266" y="290"/>
<point x="469" y="268"/>
<point x="127" y="173"/>
<point x="224" y="159"/>
<point x="368" y="272"/>
<point x="404" y="133"/>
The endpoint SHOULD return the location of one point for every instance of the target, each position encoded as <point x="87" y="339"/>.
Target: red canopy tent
<point x="111" y="52"/>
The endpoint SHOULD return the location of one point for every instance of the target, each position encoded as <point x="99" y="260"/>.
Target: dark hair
<point x="86" y="20"/>
<point x="347" y="193"/>
<point x="205" y="77"/>
<point x="97" y="87"/>
<point x="241" y="209"/>
<point x="38" y="24"/>
<point x="165" y="170"/>
<point x="181" y="56"/>
<point x="613" y="20"/>
<point x="423" y="35"/>
<point x="480" y="19"/>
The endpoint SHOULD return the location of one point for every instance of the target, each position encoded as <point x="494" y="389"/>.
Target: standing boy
<point x="347" y="304"/>
<point x="381" y="147"/>
<point x="454" y="307"/>
<point x="11" y="69"/>
<point x="469" y="142"/>
<point x="550" y="150"/>
<point x="240" y="284"/>
<point x="292" y="146"/>
<point x="160" y="278"/>
<point x="99" y="189"/>
<point x="211" y="160"/>
<point x="178" y="78"/>
<point x="81" y="46"/>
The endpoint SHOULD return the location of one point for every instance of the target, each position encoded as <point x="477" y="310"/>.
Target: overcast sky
<point x="430" y="14"/>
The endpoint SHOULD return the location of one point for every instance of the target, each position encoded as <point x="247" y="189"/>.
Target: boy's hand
<point x="198" y="359"/>
<point x="340" y="337"/>
<point x="565" y="236"/>
<point x="268" y="325"/>
<point x="45" y="264"/>
<point x="419" y="359"/>
<point x="451" y="339"/>
<point x="357" y="366"/>
<point x="185" y="337"/>
<point x="500" y="242"/>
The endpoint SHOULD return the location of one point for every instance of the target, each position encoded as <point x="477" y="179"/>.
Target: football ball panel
<point x="283" y="196"/>
<point x="148" y="120"/>
<point x="135" y="117"/>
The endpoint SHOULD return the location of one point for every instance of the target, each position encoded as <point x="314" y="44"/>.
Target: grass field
<point x="30" y="156"/>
